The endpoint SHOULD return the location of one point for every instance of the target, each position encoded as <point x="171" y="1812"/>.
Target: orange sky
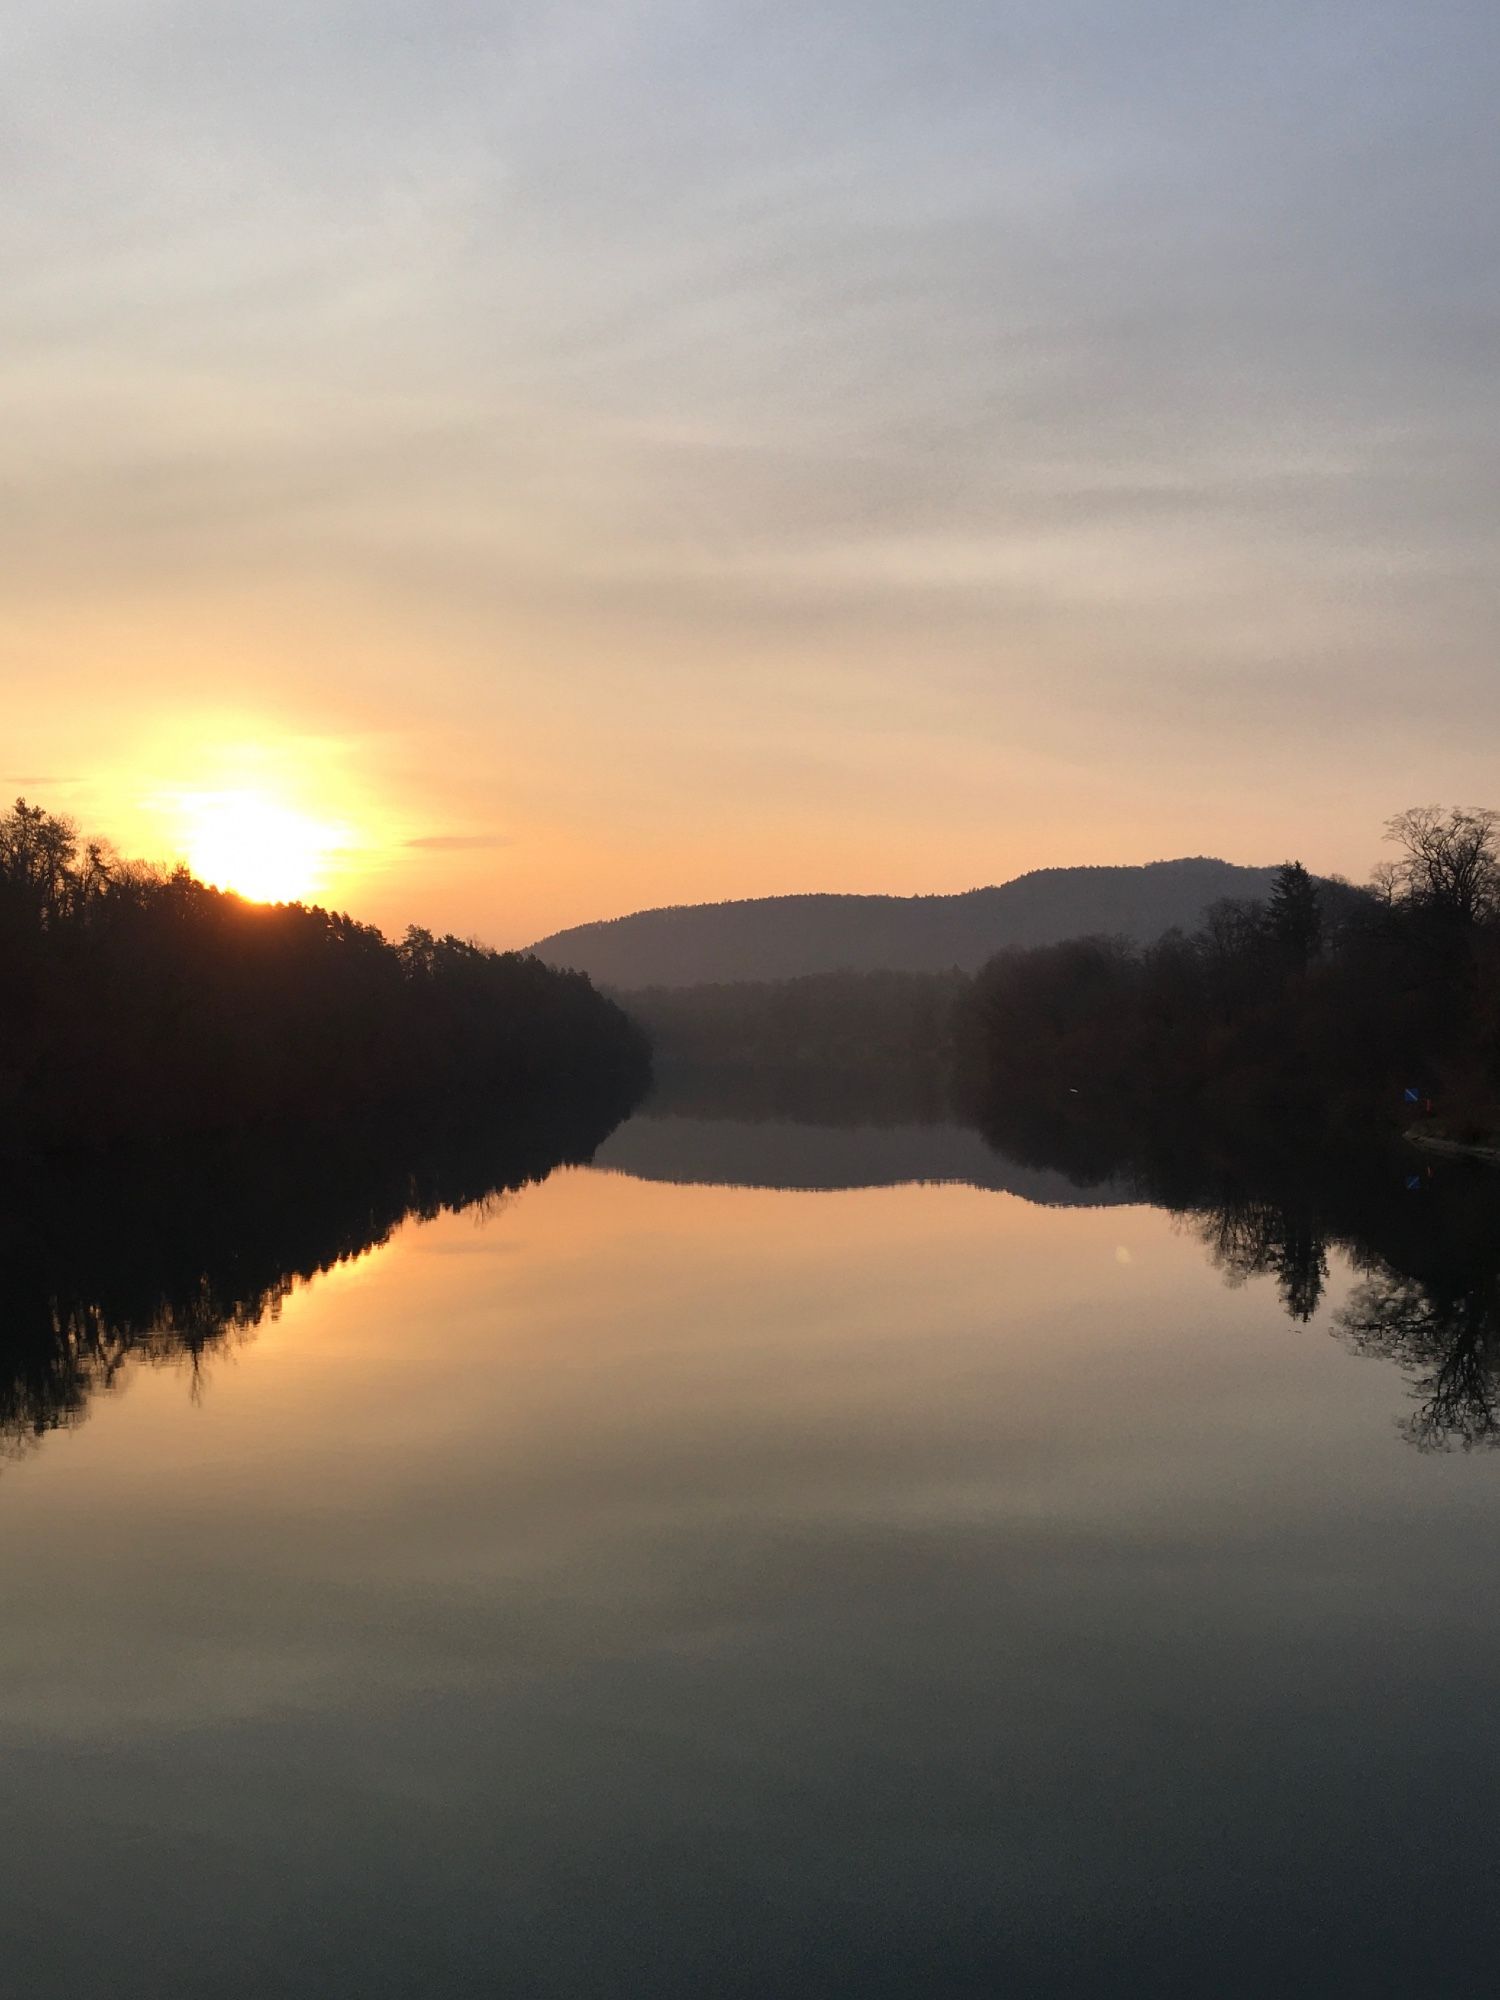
<point x="896" y="462"/>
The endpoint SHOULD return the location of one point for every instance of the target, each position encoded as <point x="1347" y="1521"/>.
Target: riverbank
<point x="1432" y="1138"/>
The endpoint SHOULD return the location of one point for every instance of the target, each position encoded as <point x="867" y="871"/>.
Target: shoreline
<point x="1458" y="1149"/>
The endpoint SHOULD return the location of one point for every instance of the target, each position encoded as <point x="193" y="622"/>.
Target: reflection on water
<point x="1426" y="1238"/>
<point x="1423" y="1237"/>
<point x="1442" y="1330"/>
<point x="165" y="1257"/>
<point x="166" y="1260"/>
<point x="730" y="1569"/>
<point x="775" y="1153"/>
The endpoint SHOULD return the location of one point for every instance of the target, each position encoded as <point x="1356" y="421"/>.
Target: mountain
<point x="781" y="937"/>
<point x="726" y="1152"/>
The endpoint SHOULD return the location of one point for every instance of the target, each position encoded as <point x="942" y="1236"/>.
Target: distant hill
<point x="720" y="1152"/>
<point x="782" y="937"/>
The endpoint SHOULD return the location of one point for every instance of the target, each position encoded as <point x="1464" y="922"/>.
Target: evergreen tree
<point x="1294" y="916"/>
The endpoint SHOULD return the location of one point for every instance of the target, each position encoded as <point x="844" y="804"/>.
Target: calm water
<point x="765" y="1562"/>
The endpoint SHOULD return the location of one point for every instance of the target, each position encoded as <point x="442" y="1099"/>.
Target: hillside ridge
<point x="780" y="937"/>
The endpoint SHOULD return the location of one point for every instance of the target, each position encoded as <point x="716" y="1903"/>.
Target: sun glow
<point x="253" y="843"/>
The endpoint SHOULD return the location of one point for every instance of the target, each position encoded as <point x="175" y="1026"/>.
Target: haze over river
<point x="663" y="1581"/>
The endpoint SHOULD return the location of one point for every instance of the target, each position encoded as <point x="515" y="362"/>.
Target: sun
<point x="255" y="844"/>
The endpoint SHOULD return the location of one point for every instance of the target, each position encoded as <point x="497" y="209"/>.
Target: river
<point x="770" y="1560"/>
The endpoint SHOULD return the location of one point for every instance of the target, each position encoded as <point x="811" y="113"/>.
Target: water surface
<point x="661" y="1579"/>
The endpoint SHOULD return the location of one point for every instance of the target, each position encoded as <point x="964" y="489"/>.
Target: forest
<point x="829" y="1021"/>
<point x="138" y="1004"/>
<point x="1318" y="1004"/>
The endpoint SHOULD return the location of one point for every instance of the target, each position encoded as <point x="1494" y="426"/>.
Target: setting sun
<point x="254" y="844"/>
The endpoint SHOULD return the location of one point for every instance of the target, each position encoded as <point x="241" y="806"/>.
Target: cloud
<point x="459" y="843"/>
<point x="1087" y="369"/>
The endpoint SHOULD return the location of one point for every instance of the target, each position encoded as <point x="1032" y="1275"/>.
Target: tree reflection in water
<point x="1444" y="1336"/>
<point x="1265" y="1203"/>
<point x="1257" y="1238"/>
<point x="1440" y="1326"/>
<point x="1425" y="1242"/>
<point x="1428" y="1298"/>
<point x="122" y="1261"/>
<point x="117" y="1263"/>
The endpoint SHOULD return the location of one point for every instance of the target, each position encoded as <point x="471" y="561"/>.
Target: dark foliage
<point x="142" y="1005"/>
<point x="1322" y="1002"/>
<point x="834" y="1021"/>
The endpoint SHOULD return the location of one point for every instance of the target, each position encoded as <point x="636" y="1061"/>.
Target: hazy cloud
<point x="1097" y="369"/>
<point x="460" y="843"/>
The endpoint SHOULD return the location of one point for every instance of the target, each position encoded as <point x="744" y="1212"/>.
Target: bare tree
<point x="1387" y="885"/>
<point x="1449" y="861"/>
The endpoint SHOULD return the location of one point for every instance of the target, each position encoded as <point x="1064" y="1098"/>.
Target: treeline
<point x="137" y="1003"/>
<point x="828" y="1021"/>
<point x="1319" y="1002"/>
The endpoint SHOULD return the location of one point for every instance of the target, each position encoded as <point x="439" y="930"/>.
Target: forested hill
<point x="783" y="937"/>
<point x="141" y="1006"/>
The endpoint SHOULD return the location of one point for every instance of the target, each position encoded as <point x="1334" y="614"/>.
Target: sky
<point x="538" y="461"/>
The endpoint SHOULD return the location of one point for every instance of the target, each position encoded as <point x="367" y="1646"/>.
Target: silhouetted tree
<point x="1324" y="1001"/>
<point x="138" y="1004"/>
<point x="1294" y="917"/>
<point x="37" y="852"/>
<point x="1449" y="864"/>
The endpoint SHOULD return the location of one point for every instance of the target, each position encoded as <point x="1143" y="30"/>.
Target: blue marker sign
<point x="1413" y="1096"/>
